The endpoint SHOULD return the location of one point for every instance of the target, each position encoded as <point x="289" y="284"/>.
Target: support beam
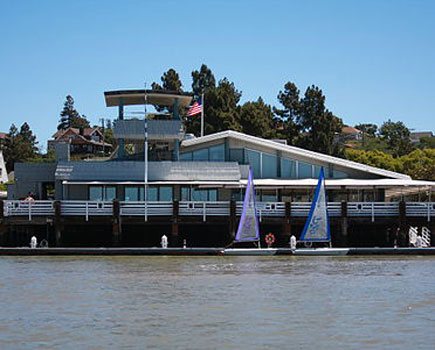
<point x="58" y="226"/>
<point x="116" y="224"/>
<point x="175" y="236"/>
<point x="287" y="225"/>
<point x="403" y="239"/>
<point x="344" y="241"/>
<point x="232" y="221"/>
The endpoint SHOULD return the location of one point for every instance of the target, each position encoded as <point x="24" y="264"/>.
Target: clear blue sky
<point x="374" y="60"/>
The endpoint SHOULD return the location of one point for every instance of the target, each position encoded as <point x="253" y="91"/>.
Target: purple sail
<point x="248" y="230"/>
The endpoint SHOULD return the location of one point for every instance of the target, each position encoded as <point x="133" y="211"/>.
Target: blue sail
<point x="317" y="226"/>
<point x="248" y="230"/>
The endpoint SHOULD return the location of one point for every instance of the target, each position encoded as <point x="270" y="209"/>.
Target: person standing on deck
<point x="33" y="242"/>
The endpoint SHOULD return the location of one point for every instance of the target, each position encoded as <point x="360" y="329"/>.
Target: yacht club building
<point x="194" y="186"/>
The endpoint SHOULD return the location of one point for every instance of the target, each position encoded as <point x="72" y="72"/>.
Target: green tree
<point x="368" y="129"/>
<point x="257" y="119"/>
<point x="19" y="146"/>
<point x="170" y="82"/>
<point x="69" y="117"/>
<point x="318" y="126"/>
<point x="202" y="80"/>
<point x="221" y="111"/>
<point x="286" y="121"/>
<point x="27" y="142"/>
<point x="396" y="134"/>
<point x="427" y="142"/>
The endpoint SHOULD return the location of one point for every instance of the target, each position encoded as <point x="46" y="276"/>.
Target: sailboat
<point x="249" y="228"/>
<point x="316" y="227"/>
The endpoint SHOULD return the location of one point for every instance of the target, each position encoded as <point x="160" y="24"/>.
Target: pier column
<point x="174" y="239"/>
<point x="57" y="223"/>
<point x="403" y="227"/>
<point x="2" y="224"/>
<point x="287" y="225"/>
<point x="232" y="221"/>
<point x="344" y="225"/>
<point x="116" y="224"/>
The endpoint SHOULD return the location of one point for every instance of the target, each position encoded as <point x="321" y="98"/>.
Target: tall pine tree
<point x="69" y="117"/>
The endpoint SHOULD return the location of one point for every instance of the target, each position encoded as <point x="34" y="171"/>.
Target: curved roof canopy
<point x="153" y="97"/>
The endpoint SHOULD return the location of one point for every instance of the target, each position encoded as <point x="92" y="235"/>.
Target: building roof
<point x="216" y="172"/>
<point x="350" y="130"/>
<point x="300" y="152"/>
<point x="161" y="129"/>
<point x="3" y="135"/>
<point x="153" y="97"/>
<point x="86" y="131"/>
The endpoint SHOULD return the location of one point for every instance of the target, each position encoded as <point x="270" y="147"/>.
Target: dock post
<point x="2" y="224"/>
<point x="403" y="227"/>
<point x="232" y="221"/>
<point x="57" y="223"/>
<point x="175" y="232"/>
<point x="287" y="225"/>
<point x="116" y="224"/>
<point x="344" y="225"/>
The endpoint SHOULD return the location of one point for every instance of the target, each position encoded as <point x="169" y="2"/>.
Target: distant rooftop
<point x="153" y="97"/>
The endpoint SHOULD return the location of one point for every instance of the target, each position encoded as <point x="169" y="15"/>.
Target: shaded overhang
<point x="153" y="97"/>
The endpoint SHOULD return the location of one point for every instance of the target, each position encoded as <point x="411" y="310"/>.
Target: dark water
<point x="217" y="303"/>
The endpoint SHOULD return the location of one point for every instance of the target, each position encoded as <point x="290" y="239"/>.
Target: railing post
<point x="29" y="207"/>
<point x="373" y="211"/>
<point x="204" y="215"/>
<point x="87" y="211"/>
<point x="428" y="211"/>
<point x="146" y="211"/>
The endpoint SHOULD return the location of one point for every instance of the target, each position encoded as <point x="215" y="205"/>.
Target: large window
<point x="102" y="193"/>
<point x="305" y="171"/>
<point x="213" y="153"/>
<point x="288" y="168"/>
<point x="154" y="193"/>
<point x="254" y="160"/>
<point x="198" y="195"/>
<point x="269" y="166"/>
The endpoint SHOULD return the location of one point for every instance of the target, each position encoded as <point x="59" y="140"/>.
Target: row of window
<point x="165" y="194"/>
<point x="264" y="165"/>
<point x="154" y="193"/>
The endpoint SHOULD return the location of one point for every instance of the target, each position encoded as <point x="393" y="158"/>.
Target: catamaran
<point x="317" y="228"/>
<point x="249" y="228"/>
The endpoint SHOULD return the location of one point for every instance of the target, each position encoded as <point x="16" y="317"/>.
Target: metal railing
<point x="145" y="209"/>
<point x="28" y="208"/>
<point x="86" y="208"/>
<point x="204" y="209"/>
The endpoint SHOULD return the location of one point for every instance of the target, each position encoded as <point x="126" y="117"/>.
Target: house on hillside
<point x="416" y="137"/>
<point x="349" y="133"/>
<point x="82" y="140"/>
<point x="3" y="137"/>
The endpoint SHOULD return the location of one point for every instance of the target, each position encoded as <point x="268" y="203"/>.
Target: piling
<point x="116" y="224"/>
<point x="58" y="224"/>
<point x="403" y="226"/>
<point x="344" y="225"/>
<point x="287" y="226"/>
<point x="174" y="239"/>
<point x="232" y="220"/>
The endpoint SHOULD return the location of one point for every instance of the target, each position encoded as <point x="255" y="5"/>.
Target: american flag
<point x="195" y="109"/>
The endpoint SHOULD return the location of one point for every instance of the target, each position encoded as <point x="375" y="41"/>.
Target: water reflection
<point x="216" y="302"/>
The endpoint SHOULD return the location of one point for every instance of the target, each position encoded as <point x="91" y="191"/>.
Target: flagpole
<point x="202" y="115"/>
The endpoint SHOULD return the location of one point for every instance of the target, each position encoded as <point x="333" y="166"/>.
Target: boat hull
<point x="321" y="251"/>
<point x="250" y="251"/>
